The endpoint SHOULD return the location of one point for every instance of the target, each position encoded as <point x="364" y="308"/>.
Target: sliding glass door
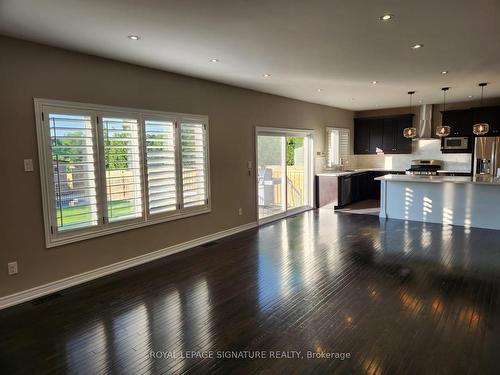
<point x="284" y="172"/>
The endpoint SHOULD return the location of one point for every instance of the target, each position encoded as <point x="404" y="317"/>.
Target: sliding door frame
<point x="308" y="164"/>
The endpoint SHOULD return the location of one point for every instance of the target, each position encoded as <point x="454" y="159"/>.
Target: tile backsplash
<point x="424" y="149"/>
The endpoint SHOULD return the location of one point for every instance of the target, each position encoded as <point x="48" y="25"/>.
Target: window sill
<point x="54" y="240"/>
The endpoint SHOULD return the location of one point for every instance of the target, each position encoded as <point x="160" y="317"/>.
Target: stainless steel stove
<point x="425" y="167"/>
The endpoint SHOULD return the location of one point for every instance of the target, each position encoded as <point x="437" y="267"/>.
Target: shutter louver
<point x="193" y="156"/>
<point x="123" y="168"/>
<point x="74" y="169"/>
<point x="161" y="175"/>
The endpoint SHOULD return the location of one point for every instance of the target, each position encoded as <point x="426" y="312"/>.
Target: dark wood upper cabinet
<point x="361" y="136"/>
<point x="460" y="122"/>
<point x="403" y="145"/>
<point x="389" y="138"/>
<point x="382" y="133"/>
<point x="376" y="135"/>
<point x="490" y="115"/>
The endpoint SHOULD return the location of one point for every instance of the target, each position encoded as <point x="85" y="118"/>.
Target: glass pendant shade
<point x="481" y="128"/>
<point x="410" y="132"/>
<point x="443" y="131"/>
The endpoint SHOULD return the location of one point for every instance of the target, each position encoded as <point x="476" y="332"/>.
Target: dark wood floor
<point x="400" y="298"/>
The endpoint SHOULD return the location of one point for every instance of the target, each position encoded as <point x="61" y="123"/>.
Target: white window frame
<point x="55" y="238"/>
<point x="329" y="146"/>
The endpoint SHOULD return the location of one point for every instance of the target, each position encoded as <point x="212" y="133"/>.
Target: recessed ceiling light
<point x="444" y="72"/>
<point x="214" y="60"/>
<point x="470" y="96"/>
<point x="374" y="82"/>
<point x="387" y="17"/>
<point x="267" y="75"/>
<point x="319" y="90"/>
<point x="420" y="101"/>
<point x="417" y="46"/>
<point x="134" y="37"/>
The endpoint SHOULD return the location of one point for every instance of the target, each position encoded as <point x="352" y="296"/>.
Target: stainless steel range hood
<point x="424" y="123"/>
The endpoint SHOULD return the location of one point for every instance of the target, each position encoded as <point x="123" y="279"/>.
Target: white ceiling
<point x="339" y="46"/>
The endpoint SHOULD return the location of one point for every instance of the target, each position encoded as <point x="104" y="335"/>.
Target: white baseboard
<point x="39" y="291"/>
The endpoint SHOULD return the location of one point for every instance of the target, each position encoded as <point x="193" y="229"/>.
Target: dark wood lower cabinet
<point x="339" y="191"/>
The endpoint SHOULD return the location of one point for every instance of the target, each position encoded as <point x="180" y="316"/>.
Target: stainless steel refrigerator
<point x="487" y="156"/>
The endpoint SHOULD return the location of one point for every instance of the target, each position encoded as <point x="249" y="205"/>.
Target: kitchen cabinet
<point x="376" y="135"/>
<point x="372" y="135"/>
<point x="403" y="145"/>
<point x="389" y="137"/>
<point x="327" y="191"/>
<point x="346" y="192"/>
<point x="361" y="136"/>
<point x="459" y="121"/>
<point x="490" y="115"/>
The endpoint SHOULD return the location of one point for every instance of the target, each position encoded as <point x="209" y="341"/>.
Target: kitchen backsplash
<point x="424" y="149"/>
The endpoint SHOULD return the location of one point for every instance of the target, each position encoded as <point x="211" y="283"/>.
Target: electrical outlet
<point x="28" y="165"/>
<point x="240" y="211"/>
<point x="12" y="266"/>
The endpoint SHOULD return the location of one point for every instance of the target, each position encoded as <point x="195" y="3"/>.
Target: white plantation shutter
<point x="194" y="164"/>
<point x="106" y="169"/>
<point x="123" y="168"/>
<point x="74" y="171"/>
<point x="161" y="166"/>
<point x="338" y="145"/>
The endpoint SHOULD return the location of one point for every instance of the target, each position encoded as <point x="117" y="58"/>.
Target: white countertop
<point x="345" y="173"/>
<point x="441" y="179"/>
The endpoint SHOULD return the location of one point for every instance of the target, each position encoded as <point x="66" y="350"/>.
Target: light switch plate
<point x="28" y="165"/>
<point x="12" y="268"/>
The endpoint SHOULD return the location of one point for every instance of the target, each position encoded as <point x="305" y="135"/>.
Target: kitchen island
<point x="465" y="201"/>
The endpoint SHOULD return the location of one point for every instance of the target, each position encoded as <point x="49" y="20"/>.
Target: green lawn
<point x="81" y="214"/>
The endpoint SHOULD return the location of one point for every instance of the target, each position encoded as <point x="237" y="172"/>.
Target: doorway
<point x="284" y="172"/>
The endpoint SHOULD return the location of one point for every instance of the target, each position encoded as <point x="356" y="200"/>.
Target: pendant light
<point x="411" y="131"/>
<point x="443" y="130"/>
<point x="481" y="128"/>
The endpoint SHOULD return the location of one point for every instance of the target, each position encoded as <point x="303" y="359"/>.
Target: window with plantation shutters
<point x="123" y="168"/>
<point x="338" y="145"/>
<point x="107" y="169"/>
<point x="193" y="160"/>
<point x="161" y="166"/>
<point x="74" y="171"/>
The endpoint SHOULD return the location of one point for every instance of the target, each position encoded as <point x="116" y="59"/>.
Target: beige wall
<point x="30" y="70"/>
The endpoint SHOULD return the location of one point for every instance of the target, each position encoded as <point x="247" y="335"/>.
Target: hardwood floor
<point x="398" y="297"/>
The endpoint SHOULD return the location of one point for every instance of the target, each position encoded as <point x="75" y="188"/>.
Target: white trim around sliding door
<point x="309" y="133"/>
